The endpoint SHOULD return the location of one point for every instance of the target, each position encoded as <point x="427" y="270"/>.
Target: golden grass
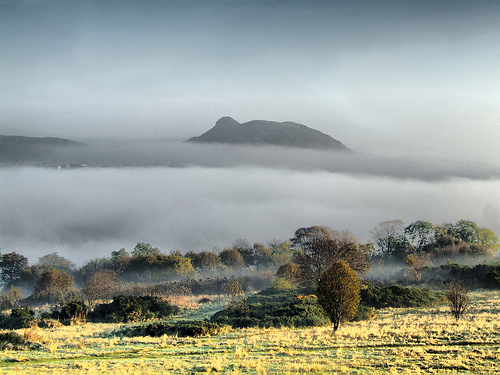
<point x="399" y="341"/>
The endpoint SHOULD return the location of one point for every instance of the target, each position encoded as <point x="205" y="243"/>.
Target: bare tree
<point x="55" y="286"/>
<point x="100" y="285"/>
<point x="458" y="298"/>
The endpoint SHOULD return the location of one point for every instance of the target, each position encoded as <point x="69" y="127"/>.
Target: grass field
<point x="397" y="341"/>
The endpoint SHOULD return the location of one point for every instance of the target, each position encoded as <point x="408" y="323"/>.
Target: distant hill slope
<point x="20" y="149"/>
<point x="260" y="132"/>
<point x="18" y="140"/>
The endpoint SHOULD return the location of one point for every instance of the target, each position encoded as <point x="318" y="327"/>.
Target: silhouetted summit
<point x="260" y="132"/>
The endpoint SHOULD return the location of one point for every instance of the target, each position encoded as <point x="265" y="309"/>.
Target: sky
<point x="419" y="74"/>
<point x="413" y="87"/>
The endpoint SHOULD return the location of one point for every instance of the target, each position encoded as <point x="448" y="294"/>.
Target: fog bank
<point x="87" y="213"/>
<point x="411" y="163"/>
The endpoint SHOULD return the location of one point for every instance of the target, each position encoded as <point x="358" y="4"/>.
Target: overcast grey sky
<point x="419" y="74"/>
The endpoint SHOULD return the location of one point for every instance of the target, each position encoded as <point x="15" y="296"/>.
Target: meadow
<point x="418" y="340"/>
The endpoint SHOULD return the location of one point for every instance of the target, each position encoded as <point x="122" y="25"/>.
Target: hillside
<point x="260" y="132"/>
<point x="20" y="149"/>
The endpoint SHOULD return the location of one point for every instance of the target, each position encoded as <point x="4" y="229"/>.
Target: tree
<point x="281" y="252"/>
<point x="458" y="298"/>
<point x="144" y="249"/>
<point x="339" y="292"/>
<point x="231" y="258"/>
<point x="234" y="291"/>
<point x="246" y="251"/>
<point x="488" y="239"/>
<point x="12" y="266"/>
<point x="417" y="263"/>
<point x="263" y="256"/>
<point x="120" y="260"/>
<point x="55" y="286"/>
<point x="10" y="299"/>
<point x="56" y="261"/>
<point x="390" y="240"/>
<point x="419" y="234"/>
<point x="204" y="260"/>
<point x="100" y="285"/>
<point x="317" y="248"/>
<point x="466" y="231"/>
<point x="289" y="271"/>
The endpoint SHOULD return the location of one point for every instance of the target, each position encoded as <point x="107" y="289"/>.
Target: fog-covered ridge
<point x="179" y="154"/>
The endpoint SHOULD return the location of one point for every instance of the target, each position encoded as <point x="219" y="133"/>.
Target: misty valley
<point x="115" y="254"/>
<point x="436" y="285"/>
<point x="249" y="187"/>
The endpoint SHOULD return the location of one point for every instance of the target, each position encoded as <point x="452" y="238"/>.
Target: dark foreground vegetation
<point x="320" y="276"/>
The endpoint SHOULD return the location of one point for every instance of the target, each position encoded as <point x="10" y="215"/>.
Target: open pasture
<point x="397" y="341"/>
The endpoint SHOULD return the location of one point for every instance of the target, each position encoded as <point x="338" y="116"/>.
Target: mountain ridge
<point x="264" y="132"/>
<point x="20" y="140"/>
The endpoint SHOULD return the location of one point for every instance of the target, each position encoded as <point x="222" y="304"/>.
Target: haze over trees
<point x="394" y="241"/>
<point x="422" y="252"/>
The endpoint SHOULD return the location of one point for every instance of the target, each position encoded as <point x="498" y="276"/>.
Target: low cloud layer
<point x="410" y="164"/>
<point x="87" y="213"/>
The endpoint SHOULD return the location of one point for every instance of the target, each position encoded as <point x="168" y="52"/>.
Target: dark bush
<point x="19" y="318"/>
<point x="180" y="329"/>
<point x="270" y="309"/>
<point x="492" y="277"/>
<point x="14" y="341"/>
<point x="364" y="313"/>
<point x="125" y="309"/>
<point x="479" y="276"/>
<point x="398" y="296"/>
<point x="74" y="310"/>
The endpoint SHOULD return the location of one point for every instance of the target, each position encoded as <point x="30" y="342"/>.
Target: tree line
<point x="303" y="260"/>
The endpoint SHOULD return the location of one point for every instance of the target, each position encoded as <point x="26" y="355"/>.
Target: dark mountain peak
<point x="262" y="132"/>
<point x="227" y="121"/>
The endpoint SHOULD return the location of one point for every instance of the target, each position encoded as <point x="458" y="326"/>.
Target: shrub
<point x="492" y="277"/>
<point x="281" y="284"/>
<point x="19" y="318"/>
<point x="125" y="309"/>
<point x="458" y="298"/>
<point x="180" y="329"/>
<point x="273" y="310"/>
<point x="398" y="296"/>
<point x="74" y="310"/>
<point x="14" y="341"/>
<point x="364" y="313"/>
